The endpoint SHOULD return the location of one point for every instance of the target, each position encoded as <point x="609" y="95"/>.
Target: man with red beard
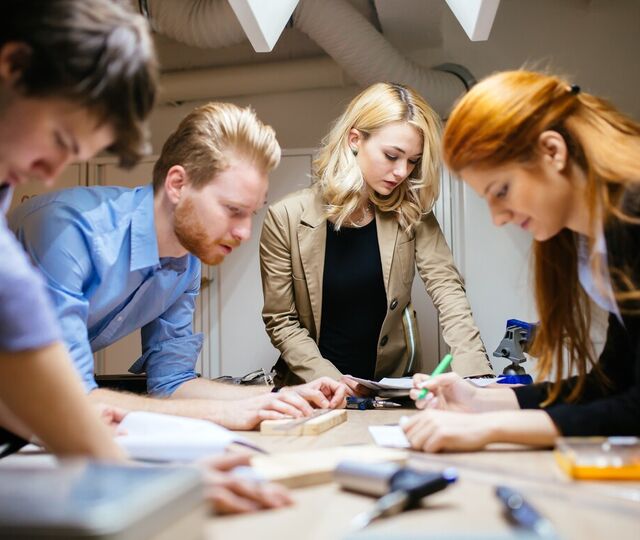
<point x="117" y="260"/>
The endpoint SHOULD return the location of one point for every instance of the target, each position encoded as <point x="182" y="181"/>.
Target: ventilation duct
<point x="335" y="25"/>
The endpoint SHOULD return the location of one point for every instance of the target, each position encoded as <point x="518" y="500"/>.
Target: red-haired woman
<point x="565" y="166"/>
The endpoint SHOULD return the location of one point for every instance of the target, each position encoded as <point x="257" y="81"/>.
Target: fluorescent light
<point x="475" y="16"/>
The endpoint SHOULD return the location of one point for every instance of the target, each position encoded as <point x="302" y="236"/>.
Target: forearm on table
<point x="206" y="409"/>
<point x="528" y="427"/>
<point x="41" y="388"/>
<point x="495" y="399"/>
<point x="207" y="389"/>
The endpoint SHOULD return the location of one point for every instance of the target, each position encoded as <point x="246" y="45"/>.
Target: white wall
<point x="595" y="42"/>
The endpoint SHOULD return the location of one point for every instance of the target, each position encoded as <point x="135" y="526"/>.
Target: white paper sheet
<point x="390" y="436"/>
<point x="484" y="381"/>
<point x="163" y="437"/>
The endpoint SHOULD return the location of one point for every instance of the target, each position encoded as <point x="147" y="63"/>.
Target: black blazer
<point x="614" y="410"/>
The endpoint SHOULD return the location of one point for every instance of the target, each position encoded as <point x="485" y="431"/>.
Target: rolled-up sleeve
<point x="169" y="347"/>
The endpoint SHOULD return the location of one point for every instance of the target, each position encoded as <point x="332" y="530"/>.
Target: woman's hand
<point x="436" y="431"/>
<point x="447" y="392"/>
<point x="229" y="494"/>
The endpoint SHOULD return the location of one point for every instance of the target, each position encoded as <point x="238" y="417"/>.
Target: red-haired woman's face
<point x="543" y="197"/>
<point x="538" y="200"/>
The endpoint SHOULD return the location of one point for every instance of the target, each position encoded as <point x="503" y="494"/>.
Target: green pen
<point x="444" y="364"/>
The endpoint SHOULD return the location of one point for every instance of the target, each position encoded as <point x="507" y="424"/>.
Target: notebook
<point x="151" y="436"/>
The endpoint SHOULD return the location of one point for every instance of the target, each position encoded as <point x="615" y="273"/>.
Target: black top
<point x="616" y="410"/>
<point x="354" y="301"/>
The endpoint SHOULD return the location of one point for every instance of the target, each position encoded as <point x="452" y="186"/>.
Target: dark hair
<point x="96" y="53"/>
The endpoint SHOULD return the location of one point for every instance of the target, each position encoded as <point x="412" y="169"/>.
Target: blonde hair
<point x="498" y="122"/>
<point x="211" y="136"/>
<point x="336" y="172"/>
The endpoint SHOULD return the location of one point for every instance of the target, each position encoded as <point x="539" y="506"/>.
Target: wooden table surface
<point x="468" y="508"/>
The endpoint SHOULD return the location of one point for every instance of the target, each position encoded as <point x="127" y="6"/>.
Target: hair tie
<point x="574" y="89"/>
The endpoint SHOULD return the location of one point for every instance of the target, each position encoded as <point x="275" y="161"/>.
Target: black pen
<point x="523" y="515"/>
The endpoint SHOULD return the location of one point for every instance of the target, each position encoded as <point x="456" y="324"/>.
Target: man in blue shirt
<point x="53" y="110"/>
<point x="118" y="259"/>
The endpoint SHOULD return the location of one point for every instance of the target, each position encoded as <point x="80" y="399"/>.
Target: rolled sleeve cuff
<point x="169" y="364"/>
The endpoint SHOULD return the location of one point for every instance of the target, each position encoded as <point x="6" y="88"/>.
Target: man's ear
<point x="553" y="149"/>
<point x="14" y="60"/>
<point x="175" y="180"/>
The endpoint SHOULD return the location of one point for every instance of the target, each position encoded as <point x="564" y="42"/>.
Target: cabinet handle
<point x="205" y="282"/>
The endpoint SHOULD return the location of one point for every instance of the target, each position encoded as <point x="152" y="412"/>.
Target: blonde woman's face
<point x="388" y="156"/>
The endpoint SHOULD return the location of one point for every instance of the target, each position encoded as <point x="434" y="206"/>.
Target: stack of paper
<point x="387" y="387"/>
<point x="163" y="437"/>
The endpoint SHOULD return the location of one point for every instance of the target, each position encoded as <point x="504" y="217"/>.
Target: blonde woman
<point x="338" y="259"/>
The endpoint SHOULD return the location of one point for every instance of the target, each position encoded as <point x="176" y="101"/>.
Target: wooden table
<point x="580" y="510"/>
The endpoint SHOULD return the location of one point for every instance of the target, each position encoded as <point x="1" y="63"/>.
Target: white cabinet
<point x="73" y="176"/>
<point x="243" y="341"/>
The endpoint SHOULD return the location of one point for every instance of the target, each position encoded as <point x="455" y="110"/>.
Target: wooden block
<point x="314" y="426"/>
<point x="311" y="467"/>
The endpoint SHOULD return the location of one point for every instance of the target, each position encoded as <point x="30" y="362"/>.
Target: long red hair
<point x="498" y="122"/>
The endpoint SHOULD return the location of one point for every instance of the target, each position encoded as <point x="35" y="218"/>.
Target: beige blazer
<point x="292" y="250"/>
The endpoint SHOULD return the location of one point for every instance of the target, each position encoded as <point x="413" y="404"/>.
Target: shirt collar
<point x="144" y="243"/>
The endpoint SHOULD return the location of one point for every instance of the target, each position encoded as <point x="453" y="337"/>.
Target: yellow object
<point x="599" y="458"/>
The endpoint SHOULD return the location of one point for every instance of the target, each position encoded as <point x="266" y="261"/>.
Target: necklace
<point x="366" y="215"/>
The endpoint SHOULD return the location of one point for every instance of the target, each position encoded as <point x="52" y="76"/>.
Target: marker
<point x="523" y="515"/>
<point x="444" y="364"/>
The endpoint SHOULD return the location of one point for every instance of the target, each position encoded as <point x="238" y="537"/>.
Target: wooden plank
<point x="311" y="467"/>
<point x="314" y="426"/>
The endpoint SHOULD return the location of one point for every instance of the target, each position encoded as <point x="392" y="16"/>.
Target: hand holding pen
<point x="443" y="391"/>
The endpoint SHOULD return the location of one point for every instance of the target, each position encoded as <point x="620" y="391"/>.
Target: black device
<point x="399" y="488"/>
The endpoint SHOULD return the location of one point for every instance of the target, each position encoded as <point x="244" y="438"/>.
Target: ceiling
<point x="407" y="24"/>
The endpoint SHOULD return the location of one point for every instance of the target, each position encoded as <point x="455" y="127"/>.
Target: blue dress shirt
<point x="98" y="251"/>
<point x="27" y="320"/>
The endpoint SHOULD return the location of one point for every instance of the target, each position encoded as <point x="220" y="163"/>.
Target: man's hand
<point x="246" y="414"/>
<point x="111" y="416"/>
<point x="228" y="494"/>
<point x="324" y="392"/>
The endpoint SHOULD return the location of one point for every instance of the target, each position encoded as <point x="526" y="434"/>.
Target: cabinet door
<point x="73" y="176"/>
<point x="117" y="358"/>
<point x="244" y="344"/>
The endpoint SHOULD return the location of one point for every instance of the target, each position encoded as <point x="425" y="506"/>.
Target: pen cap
<point x="367" y="478"/>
